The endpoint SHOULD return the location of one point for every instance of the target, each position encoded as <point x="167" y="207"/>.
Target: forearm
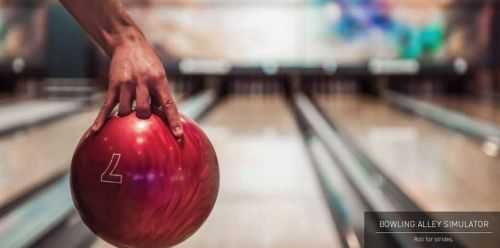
<point x="107" y="22"/>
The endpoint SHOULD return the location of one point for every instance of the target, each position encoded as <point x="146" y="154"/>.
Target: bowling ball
<point x="134" y="185"/>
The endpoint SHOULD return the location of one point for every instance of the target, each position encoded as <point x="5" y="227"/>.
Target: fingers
<point x="142" y="101"/>
<point x="169" y="109"/>
<point x="126" y="97"/>
<point x="106" y="109"/>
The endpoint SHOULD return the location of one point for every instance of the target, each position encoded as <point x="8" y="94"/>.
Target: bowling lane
<point x="31" y="156"/>
<point x="269" y="196"/>
<point x="15" y="114"/>
<point x="439" y="169"/>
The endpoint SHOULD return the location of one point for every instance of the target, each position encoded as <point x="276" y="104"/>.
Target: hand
<point x="137" y="73"/>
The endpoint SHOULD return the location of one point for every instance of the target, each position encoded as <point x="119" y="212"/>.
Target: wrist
<point x="126" y="37"/>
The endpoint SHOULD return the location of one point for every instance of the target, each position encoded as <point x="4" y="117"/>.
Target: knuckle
<point x="174" y="122"/>
<point x="116" y="79"/>
<point x="168" y="103"/>
<point x="128" y="83"/>
<point x="117" y="82"/>
<point x="156" y="77"/>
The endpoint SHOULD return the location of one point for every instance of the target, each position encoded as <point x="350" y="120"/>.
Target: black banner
<point x="432" y="229"/>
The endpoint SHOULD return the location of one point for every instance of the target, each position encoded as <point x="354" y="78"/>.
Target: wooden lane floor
<point x="269" y="196"/>
<point x="31" y="156"/>
<point x="23" y="114"/>
<point x="441" y="170"/>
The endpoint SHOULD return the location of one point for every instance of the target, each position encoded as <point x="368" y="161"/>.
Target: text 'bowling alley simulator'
<point x="249" y="123"/>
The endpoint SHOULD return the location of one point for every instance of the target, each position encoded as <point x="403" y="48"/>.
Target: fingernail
<point x="178" y="131"/>
<point x="95" y="128"/>
<point x="143" y="115"/>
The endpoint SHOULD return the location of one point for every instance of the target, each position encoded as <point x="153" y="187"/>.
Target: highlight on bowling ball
<point x="134" y="185"/>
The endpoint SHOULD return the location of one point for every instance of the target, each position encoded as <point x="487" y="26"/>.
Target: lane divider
<point x="378" y="191"/>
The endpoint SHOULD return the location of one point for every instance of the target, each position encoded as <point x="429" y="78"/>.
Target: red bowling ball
<point x="135" y="186"/>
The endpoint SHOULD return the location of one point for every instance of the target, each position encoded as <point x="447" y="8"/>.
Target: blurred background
<point x="319" y="110"/>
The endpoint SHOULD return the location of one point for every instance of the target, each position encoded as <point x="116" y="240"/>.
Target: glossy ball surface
<point x="134" y="185"/>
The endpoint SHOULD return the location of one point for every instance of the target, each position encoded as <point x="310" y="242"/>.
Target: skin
<point x="136" y="72"/>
